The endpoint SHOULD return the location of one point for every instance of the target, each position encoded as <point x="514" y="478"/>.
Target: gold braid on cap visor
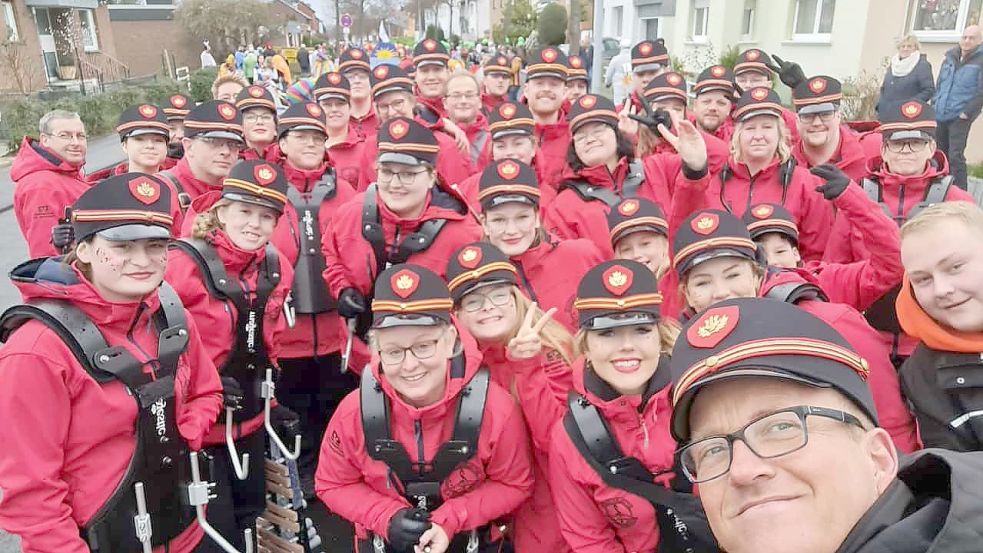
<point x="710" y="244"/>
<point x="255" y="190"/>
<point x="623" y="304"/>
<point x="476" y="274"/>
<point x="413" y="306"/>
<point x="113" y="215"/>
<point x="765" y="347"/>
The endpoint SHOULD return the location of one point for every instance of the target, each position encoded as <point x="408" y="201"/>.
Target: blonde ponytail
<point x="207" y="221"/>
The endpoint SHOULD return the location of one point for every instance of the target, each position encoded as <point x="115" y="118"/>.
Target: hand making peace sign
<point x="527" y="343"/>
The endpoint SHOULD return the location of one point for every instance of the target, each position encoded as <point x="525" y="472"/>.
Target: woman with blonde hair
<point x="908" y="78"/>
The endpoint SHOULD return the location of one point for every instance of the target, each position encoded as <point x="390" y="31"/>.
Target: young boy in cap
<point x="577" y="82"/>
<point x="430" y="61"/>
<point x="332" y="91"/>
<point x="143" y="131"/>
<point x="353" y="64"/>
<point x="776" y="424"/>
<point x="495" y="81"/>
<point x="258" y="109"/>
<point x="545" y="92"/>
<point x="176" y="108"/>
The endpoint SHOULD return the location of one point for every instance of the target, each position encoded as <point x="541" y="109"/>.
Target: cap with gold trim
<point x="755" y="337"/>
<point x="390" y="78"/>
<point x="510" y="118"/>
<point x="131" y="206"/>
<point x="576" y="69"/>
<point x="617" y="293"/>
<point x="757" y="101"/>
<point x="508" y="181"/>
<point x="766" y="218"/>
<point x="649" y="55"/>
<point x="403" y="140"/>
<point x="755" y="60"/>
<point x="817" y="95"/>
<point x="430" y="52"/>
<point x="353" y="58"/>
<point x="590" y="108"/>
<point x="256" y="182"/>
<point x="306" y="116"/>
<point x="636" y="215"/>
<point x="709" y="234"/>
<point x="142" y="119"/>
<point x="498" y="64"/>
<point x="667" y="86"/>
<point x="214" y="119"/>
<point x="332" y="85"/>
<point x="547" y="62"/>
<point x="478" y="265"/>
<point x="913" y="119"/>
<point x="255" y="96"/>
<point x="410" y="295"/>
<point x="715" y="78"/>
<point x="177" y="107"/>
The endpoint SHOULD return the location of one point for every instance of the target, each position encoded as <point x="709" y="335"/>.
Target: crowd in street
<point x="498" y="312"/>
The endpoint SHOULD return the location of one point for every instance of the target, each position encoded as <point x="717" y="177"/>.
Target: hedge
<point x="99" y="112"/>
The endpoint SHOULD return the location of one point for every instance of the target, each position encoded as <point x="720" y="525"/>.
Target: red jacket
<point x="663" y="167"/>
<point x="44" y="185"/>
<point x="453" y="166"/>
<point x="270" y="153"/>
<point x="851" y="155"/>
<point x="191" y="186"/>
<point x="214" y="314"/>
<point x="883" y="379"/>
<point x="595" y="518"/>
<point x="489" y="102"/>
<point x="69" y="441"/>
<point x="554" y="142"/>
<point x="479" y="159"/>
<point x="860" y="283"/>
<point x="367" y="126"/>
<point x="541" y="385"/>
<point x="436" y="105"/>
<point x="493" y="484"/>
<point x="812" y="212"/>
<point x="346" y="157"/>
<point x="543" y="283"/>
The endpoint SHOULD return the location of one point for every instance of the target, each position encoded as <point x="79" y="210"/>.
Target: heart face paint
<point x="125" y="271"/>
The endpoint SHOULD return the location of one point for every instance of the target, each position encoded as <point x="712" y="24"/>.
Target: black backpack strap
<point x="467" y="427"/>
<point x="418" y="241"/>
<point x="372" y="229"/>
<point x="183" y="198"/>
<point x="794" y="292"/>
<point x="173" y="327"/>
<point x="217" y="281"/>
<point x="936" y="192"/>
<point x="590" y="193"/>
<point x="634" y="180"/>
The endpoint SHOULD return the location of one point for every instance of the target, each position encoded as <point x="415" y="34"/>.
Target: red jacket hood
<point x="599" y="175"/>
<point x="349" y="142"/>
<point x="554" y="130"/>
<point x="302" y="179"/>
<point x="471" y="129"/>
<point x="536" y="252"/>
<point x="235" y="259"/>
<point x="49" y="278"/>
<point x="741" y="171"/>
<point x="850" y="150"/>
<point x="937" y="166"/>
<point x="33" y="157"/>
<point x="614" y="406"/>
<point x="775" y="277"/>
<point x="435" y="104"/>
<point x="440" y="205"/>
<point x="469" y="356"/>
<point x="270" y="153"/>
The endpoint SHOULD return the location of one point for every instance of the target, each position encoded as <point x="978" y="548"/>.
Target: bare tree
<point x="18" y="62"/>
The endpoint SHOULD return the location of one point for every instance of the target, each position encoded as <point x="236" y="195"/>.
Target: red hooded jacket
<point x="851" y="155"/>
<point x="663" y="167"/>
<point x="44" y="185"/>
<point x="215" y="314"/>
<point x="489" y="102"/>
<point x="883" y="378"/>
<point x="346" y="156"/>
<point x="366" y="127"/>
<point x="120" y="168"/>
<point x="595" y="518"/>
<point x="496" y="481"/>
<point x="554" y="142"/>
<point x="68" y="443"/>
<point x="549" y="287"/>
<point x="479" y="128"/>
<point x="541" y="385"/>
<point x="270" y="153"/>
<point x="812" y="212"/>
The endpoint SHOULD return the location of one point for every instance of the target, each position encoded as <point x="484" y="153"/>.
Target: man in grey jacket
<point x="958" y="99"/>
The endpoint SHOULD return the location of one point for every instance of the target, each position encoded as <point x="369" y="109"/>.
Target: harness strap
<point x="183" y="198"/>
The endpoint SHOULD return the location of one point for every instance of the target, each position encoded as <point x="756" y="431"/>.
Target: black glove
<point x="406" y="527"/>
<point x="62" y="236"/>
<point x="789" y="72"/>
<point x="232" y="392"/>
<point x="285" y="421"/>
<point x="351" y="303"/>
<point x="836" y="180"/>
<point x="175" y="150"/>
<point x="653" y="118"/>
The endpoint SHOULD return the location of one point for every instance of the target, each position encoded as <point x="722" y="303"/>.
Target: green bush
<point x="553" y="25"/>
<point x="435" y="33"/>
<point x="976" y="170"/>
<point x="201" y="84"/>
<point x="99" y="112"/>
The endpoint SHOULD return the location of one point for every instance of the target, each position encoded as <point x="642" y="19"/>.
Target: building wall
<point x="30" y="48"/>
<point x="155" y="36"/>
<point x="107" y="39"/>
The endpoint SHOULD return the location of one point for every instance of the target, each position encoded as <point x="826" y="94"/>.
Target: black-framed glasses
<point x="768" y="436"/>
<point x="476" y="300"/>
<point x="420" y="350"/>
<point x="405" y="177"/>
<point x="825" y="116"/>
<point x="258" y="118"/>
<point x="897" y="146"/>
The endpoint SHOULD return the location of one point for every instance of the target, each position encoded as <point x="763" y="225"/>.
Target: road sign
<point x="346" y="21"/>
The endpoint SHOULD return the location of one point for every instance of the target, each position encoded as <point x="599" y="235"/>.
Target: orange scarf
<point x="916" y="322"/>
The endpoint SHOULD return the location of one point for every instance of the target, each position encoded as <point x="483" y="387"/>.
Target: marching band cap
<point x="765" y="218"/>
<point x="131" y="206"/>
<point x="403" y="140"/>
<point x="667" y="86"/>
<point x="353" y="58"/>
<point x="214" y="119"/>
<point x="497" y="64"/>
<point x="510" y="118"/>
<point x="547" y="62"/>
<point x="256" y="182"/>
<point x="576" y="70"/>
<point x="410" y="295"/>
<point x="817" y="95"/>
<point x="306" y="116"/>
<point x="715" y="78"/>
<point x="142" y="119"/>
<point x="617" y="293"/>
<point x="762" y="338"/>
<point x="177" y="107"/>
<point x="255" y="96"/>
<point x="649" y="55"/>
<point x="332" y="85"/>
<point x="757" y="101"/>
<point x="753" y="60"/>
<point x="910" y="120"/>
<point x="478" y="265"/>
<point x="390" y="78"/>
<point x="590" y="108"/>
<point x="709" y="234"/>
<point x="636" y="215"/>
<point x="508" y="181"/>
<point x="430" y="52"/>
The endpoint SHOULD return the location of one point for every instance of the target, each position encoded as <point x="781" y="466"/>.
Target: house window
<point x="944" y="18"/>
<point x="700" y="18"/>
<point x="747" y="19"/>
<point x="813" y="18"/>
<point x="90" y="38"/>
<point x="10" y="23"/>
<point x="619" y="13"/>
<point x="651" y="28"/>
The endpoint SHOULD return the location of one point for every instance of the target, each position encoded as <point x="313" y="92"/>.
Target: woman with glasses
<point x="715" y="260"/>
<point x="527" y="352"/>
<point x="429" y="453"/>
<point x="622" y="380"/>
<point x="258" y="109"/>
<point x="510" y="199"/>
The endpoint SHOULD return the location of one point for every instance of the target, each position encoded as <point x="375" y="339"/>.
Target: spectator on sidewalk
<point x="240" y="56"/>
<point x="249" y="64"/>
<point x="207" y="60"/>
<point x="908" y="78"/>
<point x="304" y="61"/>
<point x="47" y="175"/>
<point x="958" y="99"/>
<point x="617" y="72"/>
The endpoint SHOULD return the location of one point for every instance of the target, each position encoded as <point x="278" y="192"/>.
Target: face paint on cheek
<point x="105" y="258"/>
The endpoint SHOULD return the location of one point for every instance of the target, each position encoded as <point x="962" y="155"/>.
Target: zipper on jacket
<point x="901" y="213"/>
<point x="525" y="281"/>
<point x="418" y="433"/>
<point x="149" y="360"/>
